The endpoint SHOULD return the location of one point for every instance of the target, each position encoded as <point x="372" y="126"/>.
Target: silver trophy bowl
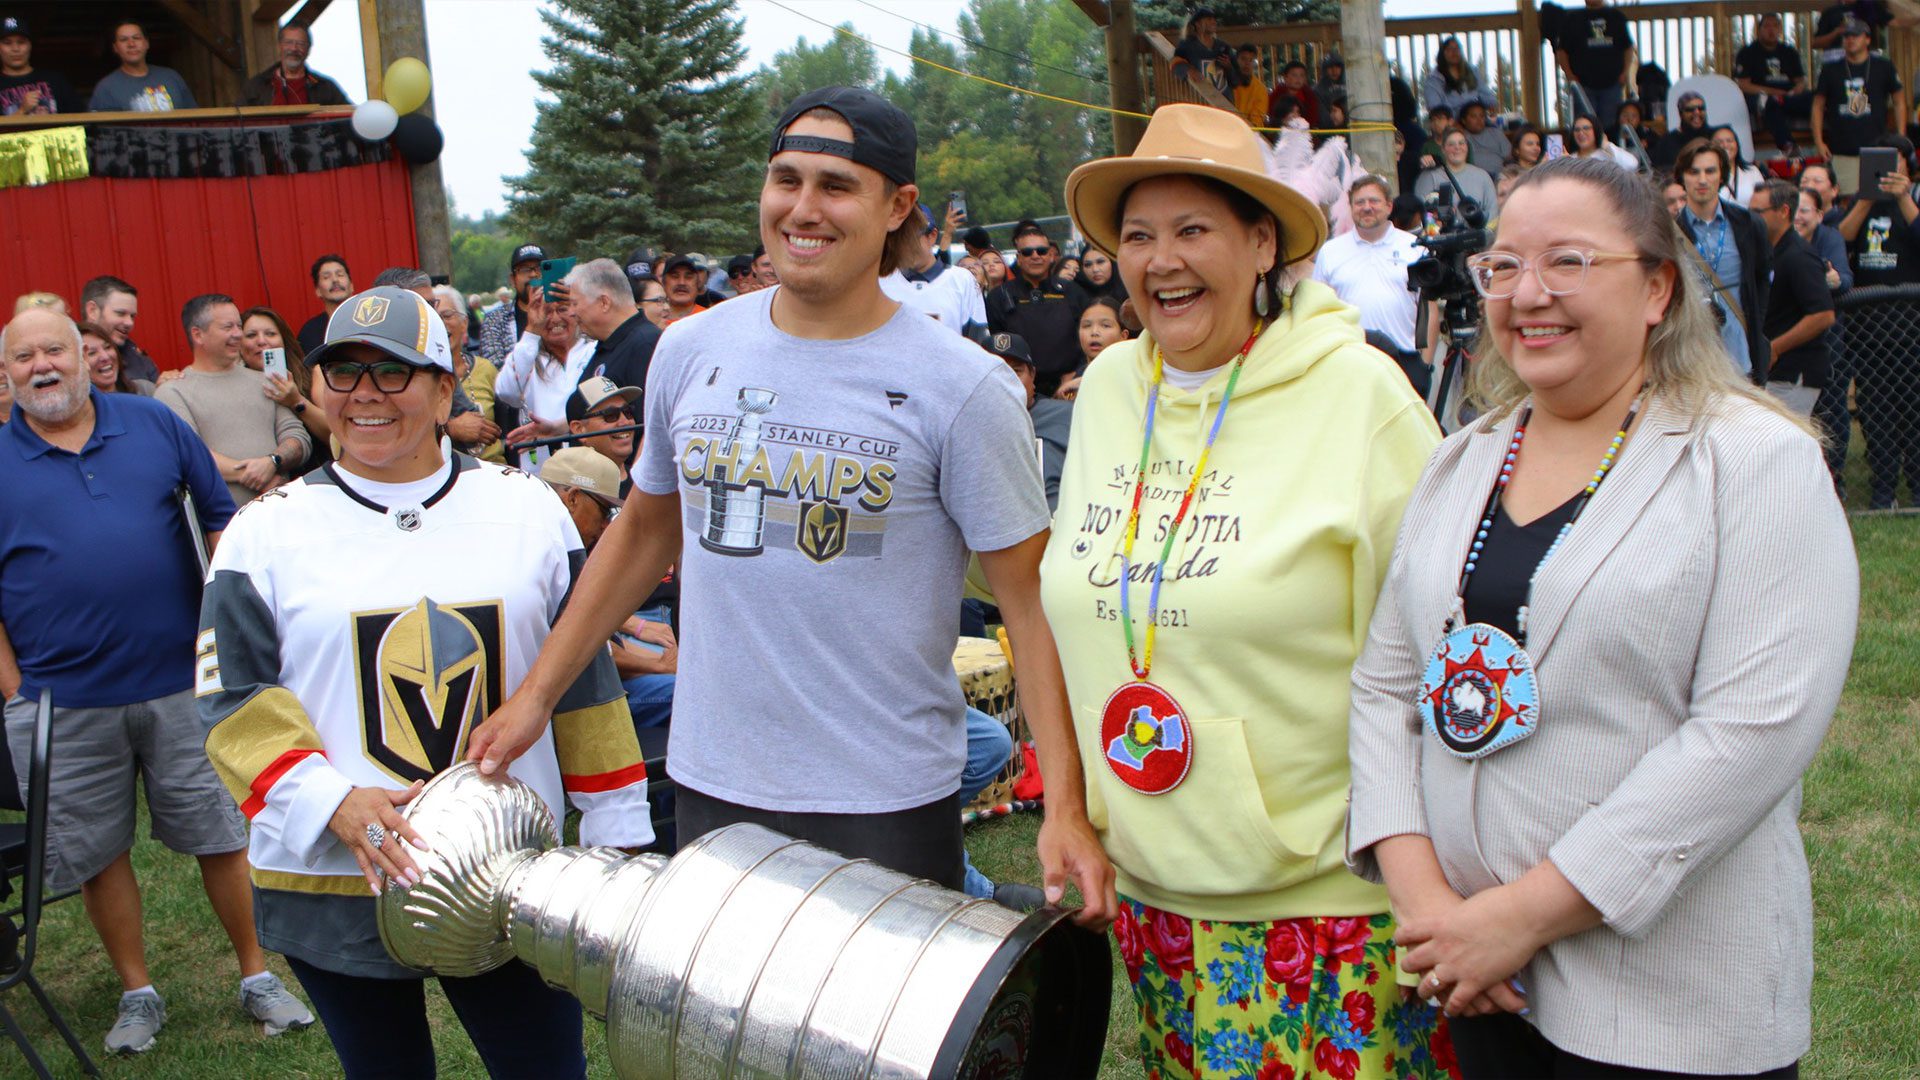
<point x="748" y="954"/>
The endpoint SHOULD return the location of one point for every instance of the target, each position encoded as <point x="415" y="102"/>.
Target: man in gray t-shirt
<point x="821" y="460"/>
<point x="136" y="86"/>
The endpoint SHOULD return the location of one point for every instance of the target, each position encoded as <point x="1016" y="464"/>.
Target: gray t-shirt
<point x="231" y="413"/>
<point x="830" y="492"/>
<point x="161" y="89"/>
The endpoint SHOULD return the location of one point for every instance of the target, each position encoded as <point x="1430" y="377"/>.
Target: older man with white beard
<point x="99" y="603"/>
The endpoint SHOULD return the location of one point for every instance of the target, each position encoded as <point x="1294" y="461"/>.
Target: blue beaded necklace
<point x="1493" y="507"/>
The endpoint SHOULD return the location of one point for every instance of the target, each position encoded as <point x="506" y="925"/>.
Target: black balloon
<point x="418" y="139"/>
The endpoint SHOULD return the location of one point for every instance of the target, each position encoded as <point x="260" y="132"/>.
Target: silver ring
<point x="376" y="835"/>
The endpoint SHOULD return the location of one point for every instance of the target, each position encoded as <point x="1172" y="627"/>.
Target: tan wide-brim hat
<point x="1192" y="140"/>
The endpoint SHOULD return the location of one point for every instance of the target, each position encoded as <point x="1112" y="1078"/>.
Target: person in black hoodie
<point x="1692" y="125"/>
<point x="1034" y="303"/>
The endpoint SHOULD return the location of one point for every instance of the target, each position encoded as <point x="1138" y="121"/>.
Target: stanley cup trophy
<point x="737" y="516"/>
<point x="748" y="954"/>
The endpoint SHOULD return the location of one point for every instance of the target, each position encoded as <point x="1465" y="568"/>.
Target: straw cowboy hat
<point x="1192" y="140"/>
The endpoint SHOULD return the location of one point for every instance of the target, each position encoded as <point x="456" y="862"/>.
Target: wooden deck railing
<point x="1687" y="38"/>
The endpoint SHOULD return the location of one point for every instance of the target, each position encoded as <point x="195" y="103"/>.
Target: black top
<point x="1872" y="12"/>
<point x="313" y="333"/>
<point x="1775" y="68"/>
<point x="1856" y="98"/>
<point x="56" y="94"/>
<point x="1215" y="65"/>
<point x="626" y="354"/>
<point x="1799" y="289"/>
<point x="137" y="364"/>
<point x="1507" y="563"/>
<point x="1047" y="316"/>
<point x="1667" y="149"/>
<point x="1596" y="41"/>
<point x="1887" y="249"/>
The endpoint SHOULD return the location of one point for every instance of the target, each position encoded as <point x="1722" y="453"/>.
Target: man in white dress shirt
<point x="1368" y="266"/>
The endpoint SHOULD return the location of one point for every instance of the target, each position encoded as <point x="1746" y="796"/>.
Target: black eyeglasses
<point x="389" y="376"/>
<point x="1034" y="250"/>
<point x="613" y="413"/>
<point x="1693" y="108"/>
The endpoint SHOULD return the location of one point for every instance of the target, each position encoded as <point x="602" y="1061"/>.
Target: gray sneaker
<point x="277" y="1010"/>
<point x="141" y="1017"/>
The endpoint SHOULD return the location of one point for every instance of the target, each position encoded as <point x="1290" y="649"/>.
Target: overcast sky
<point x="483" y="53"/>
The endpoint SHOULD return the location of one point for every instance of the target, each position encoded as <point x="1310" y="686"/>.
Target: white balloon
<point x="374" y="120"/>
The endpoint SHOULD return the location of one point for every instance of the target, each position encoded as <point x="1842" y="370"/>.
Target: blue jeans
<point x="521" y="1026"/>
<point x="1606" y="103"/>
<point x="989" y="746"/>
<point x="650" y="697"/>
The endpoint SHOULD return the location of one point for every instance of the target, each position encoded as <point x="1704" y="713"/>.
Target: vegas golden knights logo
<point x="428" y="675"/>
<point x="371" y="311"/>
<point x="822" y="535"/>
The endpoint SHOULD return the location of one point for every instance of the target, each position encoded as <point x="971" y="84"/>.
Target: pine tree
<point x="652" y="137"/>
<point x="843" y="60"/>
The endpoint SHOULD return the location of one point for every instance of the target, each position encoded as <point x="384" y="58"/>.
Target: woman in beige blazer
<point x="1615" y="628"/>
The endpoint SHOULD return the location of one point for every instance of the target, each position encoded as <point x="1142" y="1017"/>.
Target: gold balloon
<point x="407" y="84"/>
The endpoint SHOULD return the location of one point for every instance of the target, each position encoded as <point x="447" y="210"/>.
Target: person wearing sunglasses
<point x="1597" y="670"/>
<point x="1692" y="110"/>
<point x="355" y="629"/>
<point x="1037" y="304"/>
<point x="597" y="405"/>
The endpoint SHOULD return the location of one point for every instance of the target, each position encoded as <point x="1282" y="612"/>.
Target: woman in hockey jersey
<point x="356" y="627"/>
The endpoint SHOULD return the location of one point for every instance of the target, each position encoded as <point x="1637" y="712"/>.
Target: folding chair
<point x="23" y="856"/>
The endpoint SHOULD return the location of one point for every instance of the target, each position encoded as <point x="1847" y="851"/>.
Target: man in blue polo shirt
<point x="99" y="603"/>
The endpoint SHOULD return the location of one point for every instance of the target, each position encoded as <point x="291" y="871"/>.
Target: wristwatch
<point x="278" y="465"/>
<point x="299" y="407"/>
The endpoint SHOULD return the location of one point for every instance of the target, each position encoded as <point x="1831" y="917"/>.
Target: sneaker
<point x="268" y="1001"/>
<point x="140" y="1020"/>
<point x="1016" y="896"/>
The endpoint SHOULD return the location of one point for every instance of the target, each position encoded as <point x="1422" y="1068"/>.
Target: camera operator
<point x="1368" y="269"/>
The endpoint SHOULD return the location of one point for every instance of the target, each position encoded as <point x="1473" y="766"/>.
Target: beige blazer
<point x="1690" y="639"/>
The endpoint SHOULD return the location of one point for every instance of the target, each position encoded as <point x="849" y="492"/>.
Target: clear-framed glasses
<point x="1560" y="271"/>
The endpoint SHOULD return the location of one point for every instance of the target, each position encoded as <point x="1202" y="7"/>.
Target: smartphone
<point x="957" y="201"/>
<point x="1876" y="162"/>
<point x="273" y="362"/>
<point x="1556" y="146"/>
<point x="551" y="271"/>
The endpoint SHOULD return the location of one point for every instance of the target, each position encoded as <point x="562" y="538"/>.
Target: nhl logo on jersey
<point x="407" y="519"/>
<point x="822" y="535"/>
<point x="428" y="675"/>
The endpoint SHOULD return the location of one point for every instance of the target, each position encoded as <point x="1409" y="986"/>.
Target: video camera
<point x="1456" y="232"/>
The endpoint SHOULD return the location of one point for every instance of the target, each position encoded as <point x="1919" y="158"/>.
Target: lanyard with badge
<point x="1479" y="693"/>
<point x="1146" y="735"/>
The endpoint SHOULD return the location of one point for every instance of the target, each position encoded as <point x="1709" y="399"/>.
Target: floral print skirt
<point x="1286" y="1000"/>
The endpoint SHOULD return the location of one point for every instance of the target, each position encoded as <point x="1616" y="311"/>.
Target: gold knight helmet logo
<point x="428" y="675"/>
<point x="822" y="535"/>
<point x="370" y="311"/>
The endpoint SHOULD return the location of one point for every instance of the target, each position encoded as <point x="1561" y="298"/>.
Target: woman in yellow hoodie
<point x="1229" y="503"/>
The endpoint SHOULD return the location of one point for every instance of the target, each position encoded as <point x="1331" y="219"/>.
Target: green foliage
<point x="1172" y="14"/>
<point x="841" y="61"/>
<point x="652" y="135"/>
<point x="480" y="260"/>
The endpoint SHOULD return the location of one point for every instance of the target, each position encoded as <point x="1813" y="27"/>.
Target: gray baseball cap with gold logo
<point x="396" y="321"/>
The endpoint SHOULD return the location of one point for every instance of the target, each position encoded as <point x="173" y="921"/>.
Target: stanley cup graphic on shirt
<point x="736" y="516"/>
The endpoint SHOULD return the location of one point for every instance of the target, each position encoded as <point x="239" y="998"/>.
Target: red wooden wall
<point x="253" y="238"/>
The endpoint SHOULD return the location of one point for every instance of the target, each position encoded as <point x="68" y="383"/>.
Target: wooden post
<point x="403" y="32"/>
<point x="1363" y="34"/>
<point x="370" y="47"/>
<point x="1530" y="62"/>
<point x="1123" y="76"/>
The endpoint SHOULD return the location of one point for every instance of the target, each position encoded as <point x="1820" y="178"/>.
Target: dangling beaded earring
<point x="1262" y="297"/>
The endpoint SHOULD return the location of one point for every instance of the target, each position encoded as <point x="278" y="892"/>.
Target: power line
<point x="989" y="48"/>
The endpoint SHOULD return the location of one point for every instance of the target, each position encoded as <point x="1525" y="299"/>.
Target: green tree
<point x="1172" y="14"/>
<point x="841" y="61"/>
<point x="653" y="135"/>
<point x="480" y="260"/>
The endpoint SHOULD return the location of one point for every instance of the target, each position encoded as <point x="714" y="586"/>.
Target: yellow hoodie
<point x="1268" y="592"/>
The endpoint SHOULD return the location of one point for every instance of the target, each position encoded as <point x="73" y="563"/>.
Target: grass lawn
<point x="1862" y="823"/>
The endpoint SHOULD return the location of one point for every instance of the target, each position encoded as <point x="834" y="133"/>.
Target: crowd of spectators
<point x="135" y="84"/>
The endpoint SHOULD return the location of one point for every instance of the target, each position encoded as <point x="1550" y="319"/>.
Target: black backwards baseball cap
<point x="398" y="322"/>
<point x="526" y="253"/>
<point x="739" y="264"/>
<point x="883" y="136"/>
<point x="641" y="261"/>
<point x="14" y="24"/>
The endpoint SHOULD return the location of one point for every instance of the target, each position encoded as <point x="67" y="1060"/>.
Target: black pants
<point x="1887" y="390"/>
<point x="1506" y="1047"/>
<point x="1833" y="414"/>
<point x="522" y="1027"/>
<point x="923" y="841"/>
